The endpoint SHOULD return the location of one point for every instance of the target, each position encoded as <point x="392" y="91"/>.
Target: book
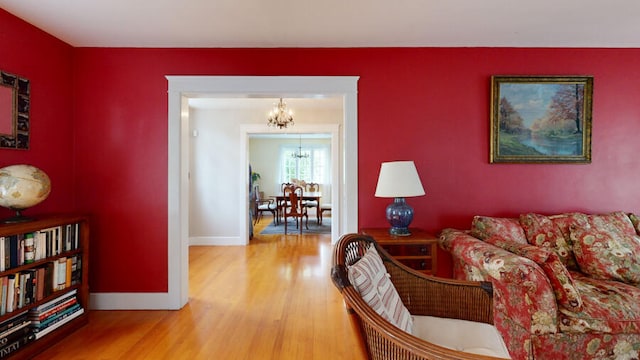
<point x="76" y="235"/>
<point x="54" y="274"/>
<point x="69" y="269"/>
<point x="53" y="302"/>
<point x="38" y="245"/>
<point x="49" y="278"/>
<point x="13" y="251"/>
<point x="76" y="269"/>
<point x="30" y="286"/>
<point x="55" y="318"/>
<point x="36" y="317"/>
<point x="14" y="332"/>
<point x="10" y="348"/>
<point x="68" y="243"/>
<point x="46" y="237"/>
<point x="13" y="321"/>
<point x="7" y="253"/>
<point x="40" y="275"/>
<point x="3" y="295"/>
<point x="2" y="264"/>
<point x="62" y="273"/>
<point x="11" y="288"/>
<point x="41" y="246"/>
<point x="58" y="324"/>
<point x="22" y="288"/>
<point x="20" y="249"/>
<point x="58" y="240"/>
<point x="29" y="249"/>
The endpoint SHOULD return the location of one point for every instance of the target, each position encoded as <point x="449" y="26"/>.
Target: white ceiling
<point x="335" y="23"/>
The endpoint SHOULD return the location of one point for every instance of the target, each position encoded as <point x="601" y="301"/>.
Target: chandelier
<point x="280" y="117"/>
<point x="299" y="154"/>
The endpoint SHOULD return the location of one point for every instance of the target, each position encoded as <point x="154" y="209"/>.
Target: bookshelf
<point x="53" y="288"/>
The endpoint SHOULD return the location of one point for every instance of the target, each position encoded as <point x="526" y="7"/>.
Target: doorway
<point x="181" y="88"/>
<point x="315" y="132"/>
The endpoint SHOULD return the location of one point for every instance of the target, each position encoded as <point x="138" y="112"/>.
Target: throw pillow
<point x="564" y="222"/>
<point x="635" y="220"/>
<point x="531" y="252"/>
<point x="541" y="231"/>
<point x="561" y="281"/>
<point x="484" y="227"/>
<point x="608" y="248"/>
<point x="370" y="278"/>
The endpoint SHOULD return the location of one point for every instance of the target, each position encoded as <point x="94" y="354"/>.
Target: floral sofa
<point x="565" y="286"/>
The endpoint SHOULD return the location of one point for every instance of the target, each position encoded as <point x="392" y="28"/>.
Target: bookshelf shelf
<point x="62" y="257"/>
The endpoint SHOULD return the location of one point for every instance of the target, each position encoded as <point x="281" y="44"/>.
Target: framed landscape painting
<point x="541" y="119"/>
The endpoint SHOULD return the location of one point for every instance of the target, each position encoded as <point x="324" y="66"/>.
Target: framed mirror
<point x="14" y="111"/>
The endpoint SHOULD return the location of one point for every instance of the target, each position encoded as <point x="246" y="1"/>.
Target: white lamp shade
<point x="399" y="179"/>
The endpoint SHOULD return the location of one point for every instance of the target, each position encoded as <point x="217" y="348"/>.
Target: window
<point x="314" y="168"/>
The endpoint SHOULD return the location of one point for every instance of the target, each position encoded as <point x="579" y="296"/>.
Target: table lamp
<point x="398" y="180"/>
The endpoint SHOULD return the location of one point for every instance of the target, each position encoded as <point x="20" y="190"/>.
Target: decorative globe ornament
<point x="21" y="187"/>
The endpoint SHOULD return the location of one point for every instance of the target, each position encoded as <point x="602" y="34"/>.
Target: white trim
<point x="130" y="301"/>
<point x="180" y="88"/>
<point x="213" y="240"/>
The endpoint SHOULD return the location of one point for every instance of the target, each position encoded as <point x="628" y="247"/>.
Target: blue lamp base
<point x="400" y="215"/>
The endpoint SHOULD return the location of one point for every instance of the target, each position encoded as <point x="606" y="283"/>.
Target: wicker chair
<point x="421" y="294"/>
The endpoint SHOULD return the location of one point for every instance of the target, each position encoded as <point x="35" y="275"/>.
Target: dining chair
<point x="313" y="204"/>
<point x="262" y="205"/>
<point x="323" y="208"/>
<point x="283" y="203"/>
<point x="296" y="209"/>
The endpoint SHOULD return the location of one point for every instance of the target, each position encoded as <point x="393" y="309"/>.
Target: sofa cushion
<point x="484" y="227"/>
<point x="461" y="335"/>
<point x="370" y="278"/>
<point x="608" y="248"/>
<point x="565" y="221"/>
<point x="542" y="231"/>
<point x="567" y="295"/>
<point x="610" y="307"/>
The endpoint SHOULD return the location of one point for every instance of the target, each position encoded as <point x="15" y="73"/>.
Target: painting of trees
<point x="567" y="105"/>
<point x="541" y="119"/>
<point x="510" y="121"/>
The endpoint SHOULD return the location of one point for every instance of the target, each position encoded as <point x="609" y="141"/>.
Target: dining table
<point x="306" y="196"/>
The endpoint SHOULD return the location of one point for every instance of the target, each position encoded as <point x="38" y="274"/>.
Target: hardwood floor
<point x="272" y="299"/>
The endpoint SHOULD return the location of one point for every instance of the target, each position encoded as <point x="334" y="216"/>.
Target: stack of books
<point x="15" y="332"/>
<point x="55" y="313"/>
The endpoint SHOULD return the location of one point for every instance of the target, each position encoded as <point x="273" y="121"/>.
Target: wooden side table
<point x="418" y="251"/>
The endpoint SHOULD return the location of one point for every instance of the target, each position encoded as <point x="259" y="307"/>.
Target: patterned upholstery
<point x="596" y="259"/>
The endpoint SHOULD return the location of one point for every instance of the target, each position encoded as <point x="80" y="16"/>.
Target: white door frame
<point x="180" y="89"/>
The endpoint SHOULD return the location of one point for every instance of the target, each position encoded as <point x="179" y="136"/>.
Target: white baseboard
<point x="215" y="240"/>
<point x="130" y="301"/>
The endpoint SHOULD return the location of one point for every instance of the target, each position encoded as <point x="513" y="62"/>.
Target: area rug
<point x="314" y="228"/>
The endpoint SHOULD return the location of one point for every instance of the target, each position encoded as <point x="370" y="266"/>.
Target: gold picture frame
<point x="541" y="119"/>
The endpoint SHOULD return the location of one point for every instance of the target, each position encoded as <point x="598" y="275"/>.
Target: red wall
<point x="48" y="64"/>
<point x="426" y="104"/>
